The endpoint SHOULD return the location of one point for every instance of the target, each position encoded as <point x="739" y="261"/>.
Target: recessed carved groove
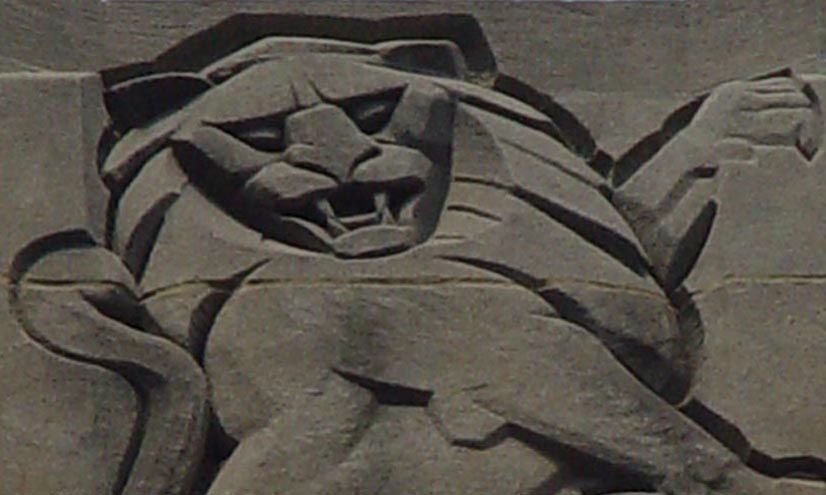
<point x="127" y="462"/>
<point x="111" y="219"/>
<point x="643" y="361"/>
<point x="205" y="314"/>
<point x="493" y="439"/>
<point x="570" y="173"/>
<point x="119" y="306"/>
<point x="780" y="279"/>
<point x="138" y="101"/>
<point x="811" y="139"/>
<point x="603" y="164"/>
<point x="795" y="467"/>
<point x="568" y="129"/>
<point x="635" y="158"/>
<point x="660" y="373"/>
<point x="692" y="334"/>
<point x="108" y="138"/>
<point x="613" y="244"/>
<point x="264" y="134"/>
<point x="200" y="50"/>
<point x="800" y="467"/>
<point x="39" y="248"/>
<point x="220" y="285"/>
<point x="145" y="236"/>
<point x="389" y="394"/>
<point x="604" y="477"/>
<point x="482" y="181"/>
<point x="472" y="210"/>
<point x="679" y="191"/>
<point x="690" y="247"/>
<point x="219" y="447"/>
<point x="516" y="276"/>
<point x="605" y="239"/>
<point x="724" y="431"/>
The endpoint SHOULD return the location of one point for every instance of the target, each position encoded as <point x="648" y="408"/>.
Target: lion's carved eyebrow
<point x="371" y="112"/>
<point x="137" y="102"/>
<point x="262" y="133"/>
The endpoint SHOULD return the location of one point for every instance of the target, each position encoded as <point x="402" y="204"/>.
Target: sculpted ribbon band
<point x="379" y="266"/>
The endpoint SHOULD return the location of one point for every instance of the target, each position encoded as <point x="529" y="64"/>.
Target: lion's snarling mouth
<point x="374" y="213"/>
<point x="351" y="207"/>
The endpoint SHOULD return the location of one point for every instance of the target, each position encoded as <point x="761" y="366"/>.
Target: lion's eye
<point x="372" y="114"/>
<point x="265" y="139"/>
<point x="262" y="135"/>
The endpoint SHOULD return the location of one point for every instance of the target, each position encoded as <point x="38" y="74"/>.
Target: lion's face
<point x="324" y="154"/>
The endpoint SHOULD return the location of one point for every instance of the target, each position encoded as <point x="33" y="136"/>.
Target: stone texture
<point x="42" y="160"/>
<point x="775" y="368"/>
<point x="762" y="269"/>
<point x="474" y="247"/>
<point x="50" y="127"/>
<point x="59" y="412"/>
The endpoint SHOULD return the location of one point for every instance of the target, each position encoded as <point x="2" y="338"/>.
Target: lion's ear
<point x="432" y="57"/>
<point x="136" y="102"/>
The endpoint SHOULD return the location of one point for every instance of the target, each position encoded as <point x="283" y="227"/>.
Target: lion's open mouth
<point x="351" y="207"/>
<point x="356" y="219"/>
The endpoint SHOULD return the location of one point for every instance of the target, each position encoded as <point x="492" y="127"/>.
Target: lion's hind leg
<point x="559" y="383"/>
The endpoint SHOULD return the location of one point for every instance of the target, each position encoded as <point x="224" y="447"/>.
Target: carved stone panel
<point x="310" y="249"/>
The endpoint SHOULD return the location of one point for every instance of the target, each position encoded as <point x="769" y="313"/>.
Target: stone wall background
<point x="629" y="61"/>
<point x="621" y="67"/>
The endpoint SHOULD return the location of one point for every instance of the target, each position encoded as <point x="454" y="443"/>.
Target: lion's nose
<point x="324" y="139"/>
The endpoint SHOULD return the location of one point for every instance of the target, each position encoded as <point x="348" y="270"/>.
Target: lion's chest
<point x="275" y="344"/>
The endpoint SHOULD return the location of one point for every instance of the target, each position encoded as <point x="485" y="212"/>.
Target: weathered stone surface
<point x="45" y="160"/>
<point x="767" y="233"/>
<point x="423" y="459"/>
<point x="55" y="411"/>
<point x="185" y="314"/>
<point x="751" y="379"/>
<point x="192" y="246"/>
<point x="101" y="324"/>
<point x="145" y="204"/>
<point x="414" y="248"/>
<point x="59" y="412"/>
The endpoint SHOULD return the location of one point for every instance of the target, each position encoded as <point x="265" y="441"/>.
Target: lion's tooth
<point x="335" y="227"/>
<point x="407" y="213"/>
<point x="380" y="200"/>
<point x="383" y="209"/>
<point x="326" y="208"/>
<point x="387" y="217"/>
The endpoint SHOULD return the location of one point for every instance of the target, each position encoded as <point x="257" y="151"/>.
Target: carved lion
<point x="380" y="266"/>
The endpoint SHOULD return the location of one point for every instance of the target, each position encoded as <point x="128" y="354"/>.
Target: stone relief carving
<point x="380" y="266"/>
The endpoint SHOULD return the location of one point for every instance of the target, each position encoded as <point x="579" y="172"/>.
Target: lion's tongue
<point x="373" y="240"/>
